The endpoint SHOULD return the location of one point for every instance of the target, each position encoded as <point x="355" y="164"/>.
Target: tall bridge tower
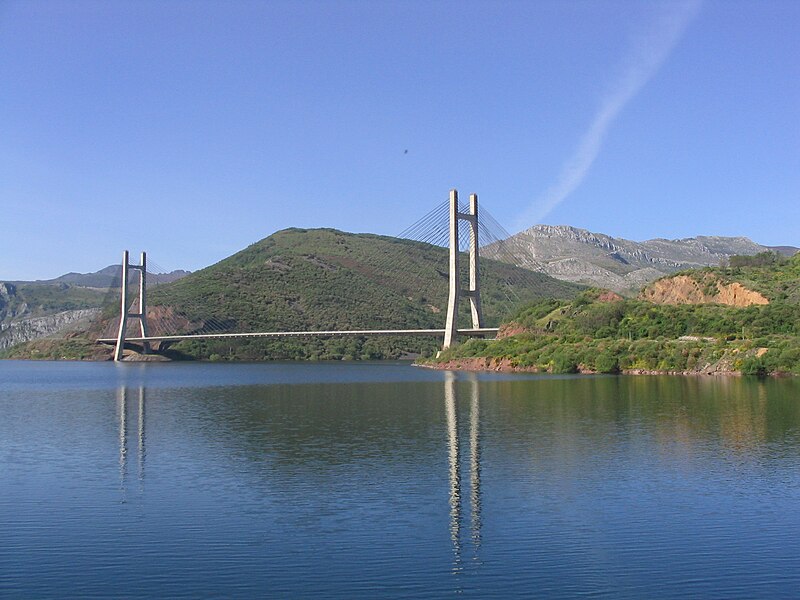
<point x="473" y="292"/>
<point x="141" y="316"/>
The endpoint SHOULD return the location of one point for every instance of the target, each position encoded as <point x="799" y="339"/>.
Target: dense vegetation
<point x="604" y="333"/>
<point x="323" y="279"/>
<point x="68" y="348"/>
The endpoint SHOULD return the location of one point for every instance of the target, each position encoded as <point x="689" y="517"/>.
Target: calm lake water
<point x="382" y="480"/>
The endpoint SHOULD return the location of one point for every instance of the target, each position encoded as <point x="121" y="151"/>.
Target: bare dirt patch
<point x="683" y="289"/>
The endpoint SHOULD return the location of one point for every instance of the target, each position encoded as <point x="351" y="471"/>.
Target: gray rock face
<point x="8" y="295"/>
<point x="31" y="310"/>
<point x="25" y="330"/>
<point x="18" y="326"/>
<point x="600" y="260"/>
<point x="7" y="290"/>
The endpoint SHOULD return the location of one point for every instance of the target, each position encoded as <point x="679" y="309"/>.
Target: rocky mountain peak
<point x="597" y="259"/>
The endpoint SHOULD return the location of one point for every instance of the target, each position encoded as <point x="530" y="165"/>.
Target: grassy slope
<point x="71" y="347"/>
<point x="325" y="279"/>
<point x="634" y="334"/>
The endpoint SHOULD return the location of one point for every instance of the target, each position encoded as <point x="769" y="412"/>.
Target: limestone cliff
<point x="32" y="312"/>
<point x="25" y="330"/>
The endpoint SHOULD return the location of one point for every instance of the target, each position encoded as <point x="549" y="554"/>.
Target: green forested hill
<point x="323" y="279"/>
<point x="607" y="333"/>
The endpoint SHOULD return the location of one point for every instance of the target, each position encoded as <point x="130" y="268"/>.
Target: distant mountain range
<point x="325" y="279"/>
<point x="596" y="259"/>
<point x="104" y="278"/>
<point x="561" y="251"/>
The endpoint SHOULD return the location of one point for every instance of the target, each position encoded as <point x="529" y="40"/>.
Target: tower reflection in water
<point x="132" y="404"/>
<point x="126" y="397"/>
<point x="451" y="402"/>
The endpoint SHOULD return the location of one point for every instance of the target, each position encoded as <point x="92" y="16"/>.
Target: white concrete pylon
<point x="474" y="290"/>
<point x="124" y="314"/>
<point x="451" y="324"/>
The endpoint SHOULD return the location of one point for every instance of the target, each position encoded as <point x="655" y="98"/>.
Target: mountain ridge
<point x="582" y="256"/>
<point x="279" y="257"/>
<point x="104" y="278"/>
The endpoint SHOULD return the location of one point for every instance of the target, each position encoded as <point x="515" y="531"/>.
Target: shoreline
<point x="504" y="365"/>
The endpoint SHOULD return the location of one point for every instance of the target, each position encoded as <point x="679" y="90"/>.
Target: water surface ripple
<point x="377" y="480"/>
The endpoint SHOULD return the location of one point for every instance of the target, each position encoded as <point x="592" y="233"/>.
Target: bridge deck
<point x="282" y="334"/>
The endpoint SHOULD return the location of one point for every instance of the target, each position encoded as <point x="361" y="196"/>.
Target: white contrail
<point x="649" y="53"/>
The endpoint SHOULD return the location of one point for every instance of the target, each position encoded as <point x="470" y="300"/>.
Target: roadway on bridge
<point x="283" y="334"/>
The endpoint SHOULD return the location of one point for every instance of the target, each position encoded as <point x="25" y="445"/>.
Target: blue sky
<point x="192" y="129"/>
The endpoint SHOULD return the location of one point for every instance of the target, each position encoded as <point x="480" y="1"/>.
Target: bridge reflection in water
<point x="451" y="402"/>
<point x="132" y="413"/>
<point x="124" y="397"/>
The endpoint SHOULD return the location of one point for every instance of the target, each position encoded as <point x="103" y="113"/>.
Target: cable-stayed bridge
<point x="470" y="237"/>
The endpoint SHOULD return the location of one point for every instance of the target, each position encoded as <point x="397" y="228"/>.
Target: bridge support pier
<point x="473" y="292"/>
<point x="124" y="314"/>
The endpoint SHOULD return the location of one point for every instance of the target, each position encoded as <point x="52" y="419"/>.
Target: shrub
<point x="564" y="363"/>
<point x="606" y="363"/>
<point x="755" y="366"/>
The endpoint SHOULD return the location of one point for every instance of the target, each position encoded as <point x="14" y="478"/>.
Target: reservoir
<point x="382" y="480"/>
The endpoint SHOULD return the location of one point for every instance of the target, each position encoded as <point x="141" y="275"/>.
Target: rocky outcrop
<point x="510" y="329"/>
<point x="20" y="323"/>
<point x="683" y="289"/>
<point x="24" y="330"/>
<point x="580" y="256"/>
<point x="8" y="297"/>
<point x="6" y="291"/>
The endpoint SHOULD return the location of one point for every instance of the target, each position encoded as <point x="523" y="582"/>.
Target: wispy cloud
<point x="647" y="55"/>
